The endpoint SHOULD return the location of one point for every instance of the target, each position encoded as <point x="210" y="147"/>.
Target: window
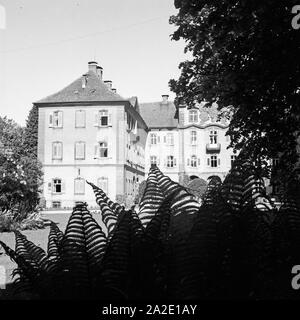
<point x="213" y="161"/>
<point x="103" y="184"/>
<point x="193" y="137"/>
<point x="193" y="116"/>
<point x="79" y="150"/>
<point x="56" y="204"/>
<point x="79" y="186"/>
<point x="57" y="186"/>
<point x="193" y="161"/>
<point x="102" y="118"/>
<point x="56" y="119"/>
<point x="213" y="135"/>
<point x="232" y="158"/>
<point x="57" y="150"/>
<point x="153" y="160"/>
<point x="170" y="139"/>
<point x="153" y="138"/>
<point x="80" y="119"/>
<point x="103" y="149"/>
<point x="171" y="162"/>
<point x="103" y="115"/>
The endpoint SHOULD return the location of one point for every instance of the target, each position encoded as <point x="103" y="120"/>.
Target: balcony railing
<point x="213" y="147"/>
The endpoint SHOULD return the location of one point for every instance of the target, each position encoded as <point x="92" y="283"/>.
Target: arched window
<point x="193" y="116"/>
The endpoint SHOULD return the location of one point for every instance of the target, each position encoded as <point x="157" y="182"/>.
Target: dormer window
<point x="193" y="116"/>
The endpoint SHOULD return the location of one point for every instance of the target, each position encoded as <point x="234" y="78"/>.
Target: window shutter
<point x="165" y="139"/>
<point x="208" y="161"/>
<point x="158" y="139"/>
<point x="59" y="150"/>
<point x="158" y="161"/>
<point x="174" y="161"/>
<point x="96" y="151"/>
<point x="165" y="162"/>
<point x="109" y="119"/>
<point x="63" y="187"/>
<point x="50" y="186"/>
<point x="188" y="161"/>
<point x="198" y="161"/>
<point x="51" y="120"/>
<point x="96" y="119"/>
<point x="60" y="119"/>
<point x="219" y="161"/>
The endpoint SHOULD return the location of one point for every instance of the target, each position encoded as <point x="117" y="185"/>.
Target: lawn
<point x="39" y="237"/>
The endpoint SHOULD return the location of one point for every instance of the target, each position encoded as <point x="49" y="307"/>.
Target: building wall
<point x="162" y="150"/>
<point x="184" y="149"/>
<point x="90" y="168"/>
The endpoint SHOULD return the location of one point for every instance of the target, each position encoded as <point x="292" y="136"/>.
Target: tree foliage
<point x="243" y="56"/>
<point x="20" y="170"/>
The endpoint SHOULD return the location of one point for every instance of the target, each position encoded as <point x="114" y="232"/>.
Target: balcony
<point x="213" y="147"/>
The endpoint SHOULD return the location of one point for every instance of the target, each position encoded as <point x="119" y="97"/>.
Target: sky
<point x="45" y="45"/>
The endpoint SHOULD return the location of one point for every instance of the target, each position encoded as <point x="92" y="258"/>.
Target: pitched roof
<point x="95" y="90"/>
<point x="159" y="114"/>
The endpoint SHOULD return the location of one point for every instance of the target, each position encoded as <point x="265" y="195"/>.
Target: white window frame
<point x="102" y="183"/>
<point x="213" y="136"/>
<point x="56" y="119"/>
<point x="78" y="115"/>
<point x="193" y="137"/>
<point x="153" y="160"/>
<point x="56" y="182"/>
<point x="171" y="162"/>
<point x="214" y="161"/>
<point x="56" y="155"/>
<point x="76" y="149"/>
<point x="102" y="146"/>
<point x="153" y="139"/>
<point x="194" y="161"/>
<point x="82" y="189"/>
<point x="170" y="138"/>
<point x="193" y="116"/>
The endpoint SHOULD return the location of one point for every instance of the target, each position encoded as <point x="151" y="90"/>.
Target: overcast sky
<point x="46" y="45"/>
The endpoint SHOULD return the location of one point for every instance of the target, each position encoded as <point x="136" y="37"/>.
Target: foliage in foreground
<point x="235" y="245"/>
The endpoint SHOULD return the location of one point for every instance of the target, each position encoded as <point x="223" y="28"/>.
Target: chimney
<point x="108" y="83"/>
<point x="93" y="66"/>
<point x="114" y="90"/>
<point x="99" y="72"/>
<point x="84" y="81"/>
<point x="165" y="98"/>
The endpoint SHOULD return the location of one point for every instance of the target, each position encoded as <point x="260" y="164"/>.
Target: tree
<point x="20" y="171"/>
<point x="243" y="58"/>
<point x="31" y="132"/>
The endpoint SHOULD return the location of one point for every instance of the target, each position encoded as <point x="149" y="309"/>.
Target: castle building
<point x="188" y="142"/>
<point x="88" y="132"/>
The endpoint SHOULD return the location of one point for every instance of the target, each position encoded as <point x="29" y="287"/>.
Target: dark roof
<point x="159" y="114"/>
<point x="95" y="90"/>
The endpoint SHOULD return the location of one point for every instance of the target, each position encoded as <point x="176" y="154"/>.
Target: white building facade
<point x="188" y="142"/>
<point x="87" y="132"/>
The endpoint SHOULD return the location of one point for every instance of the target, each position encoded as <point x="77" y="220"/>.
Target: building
<point x="87" y="131"/>
<point x="188" y="142"/>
